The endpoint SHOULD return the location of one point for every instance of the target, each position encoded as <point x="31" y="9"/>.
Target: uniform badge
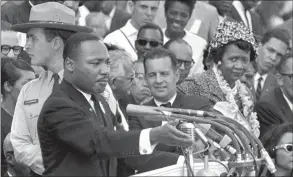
<point x="29" y="102"/>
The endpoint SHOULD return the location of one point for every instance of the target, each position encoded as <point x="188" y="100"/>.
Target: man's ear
<point x="57" y="43"/>
<point x="7" y="87"/>
<point x="129" y="6"/>
<point x="177" y="74"/>
<point x="9" y="157"/>
<point x="69" y="64"/>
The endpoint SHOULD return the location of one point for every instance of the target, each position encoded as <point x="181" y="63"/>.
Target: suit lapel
<point x="234" y="14"/>
<point x="270" y="83"/>
<point x="153" y="123"/>
<point x="283" y="105"/>
<point x="178" y="102"/>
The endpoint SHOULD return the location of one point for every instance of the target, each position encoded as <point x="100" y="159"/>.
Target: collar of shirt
<point x="288" y="101"/>
<point x="222" y="19"/>
<point x="86" y="95"/>
<point x="242" y="12"/>
<point x="30" y="3"/>
<point x="111" y="14"/>
<point x="8" y="173"/>
<point x="129" y="29"/>
<point x="256" y="77"/>
<point x="159" y="103"/>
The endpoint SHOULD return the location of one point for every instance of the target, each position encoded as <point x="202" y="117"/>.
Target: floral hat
<point x="232" y="31"/>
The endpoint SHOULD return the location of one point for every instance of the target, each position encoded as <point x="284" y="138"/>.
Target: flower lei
<point x="245" y="99"/>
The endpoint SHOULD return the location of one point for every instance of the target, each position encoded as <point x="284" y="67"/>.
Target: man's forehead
<point x="148" y="3"/>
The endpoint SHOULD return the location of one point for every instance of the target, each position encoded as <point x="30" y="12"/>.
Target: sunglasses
<point x="5" y="49"/>
<point x="287" y="147"/>
<point x="143" y="42"/>
<point x="187" y="64"/>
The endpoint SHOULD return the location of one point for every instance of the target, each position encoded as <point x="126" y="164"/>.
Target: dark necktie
<point x="98" y="110"/>
<point x="258" y="89"/>
<point x="166" y="105"/>
<point x="56" y="81"/>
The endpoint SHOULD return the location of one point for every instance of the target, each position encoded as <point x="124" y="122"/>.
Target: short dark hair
<point x="10" y="71"/>
<point x="73" y="42"/>
<point x="151" y="26"/>
<point x="278" y="33"/>
<point x="189" y="3"/>
<point x="178" y="40"/>
<point x="217" y="54"/>
<point x="157" y="53"/>
<point x="51" y="33"/>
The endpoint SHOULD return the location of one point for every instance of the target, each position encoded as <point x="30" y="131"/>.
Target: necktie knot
<point x="260" y="79"/>
<point x="166" y="105"/>
<point x="56" y="77"/>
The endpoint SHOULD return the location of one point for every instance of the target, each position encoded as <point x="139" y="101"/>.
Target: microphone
<point x="223" y="141"/>
<point x="268" y="160"/>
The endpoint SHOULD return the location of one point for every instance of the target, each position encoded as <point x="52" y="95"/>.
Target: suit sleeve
<point x="67" y="124"/>
<point x="267" y="116"/>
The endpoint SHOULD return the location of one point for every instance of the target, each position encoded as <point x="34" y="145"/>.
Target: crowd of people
<point x="69" y="69"/>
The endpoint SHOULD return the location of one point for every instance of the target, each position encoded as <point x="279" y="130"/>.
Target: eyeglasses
<point x="127" y="79"/>
<point x="5" y="49"/>
<point x="187" y="64"/>
<point x="143" y="42"/>
<point x="289" y="75"/>
<point x="287" y="147"/>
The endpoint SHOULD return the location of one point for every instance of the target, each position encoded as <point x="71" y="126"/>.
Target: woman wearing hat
<point x="278" y="141"/>
<point x="231" y="50"/>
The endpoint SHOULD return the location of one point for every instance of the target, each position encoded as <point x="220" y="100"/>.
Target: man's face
<point x="286" y="81"/>
<point x="144" y="12"/>
<point x="148" y="39"/>
<point x="270" y="55"/>
<point x="91" y="67"/>
<point x="99" y="29"/>
<point x="223" y="6"/>
<point x="183" y="54"/>
<point x="121" y="84"/>
<point x="10" y="39"/>
<point x="139" y="89"/>
<point x="161" y="78"/>
<point x="38" y="48"/>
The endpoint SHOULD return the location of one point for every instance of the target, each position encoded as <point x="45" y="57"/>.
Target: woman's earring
<point x="219" y="62"/>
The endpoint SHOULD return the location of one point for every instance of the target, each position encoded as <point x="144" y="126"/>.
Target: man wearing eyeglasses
<point x="276" y="107"/>
<point x="183" y="52"/>
<point x="149" y="36"/>
<point x="10" y="44"/>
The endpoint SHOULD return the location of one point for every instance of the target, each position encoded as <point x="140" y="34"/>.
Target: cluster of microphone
<point x="245" y="151"/>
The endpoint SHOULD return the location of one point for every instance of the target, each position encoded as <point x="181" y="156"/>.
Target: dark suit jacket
<point x="271" y="109"/>
<point x="257" y="26"/>
<point x="270" y="84"/>
<point x="19" y="14"/>
<point x="73" y="139"/>
<point x="119" y="20"/>
<point x="166" y="155"/>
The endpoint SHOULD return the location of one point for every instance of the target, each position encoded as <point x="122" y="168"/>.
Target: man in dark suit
<point x="75" y="126"/>
<point x="117" y="18"/>
<point x="276" y="107"/>
<point x="272" y="49"/>
<point x="241" y="12"/>
<point x="162" y="75"/>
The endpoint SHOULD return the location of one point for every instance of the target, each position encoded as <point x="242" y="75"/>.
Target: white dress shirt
<point x="127" y="43"/>
<point x="145" y="146"/>
<point x="198" y="45"/>
<point x="242" y="12"/>
<point x="159" y="103"/>
<point x="24" y="134"/>
<point x="110" y="17"/>
<point x="256" y="77"/>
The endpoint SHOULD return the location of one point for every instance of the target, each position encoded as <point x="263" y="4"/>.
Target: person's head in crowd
<point x="222" y="6"/>
<point x="183" y="53"/>
<point x="177" y="13"/>
<point x="149" y="36"/>
<point x="14" y="75"/>
<point x="14" y="168"/>
<point x="248" y="75"/>
<point x="72" y="4"/>
<point x="161" y="73"/>
<point x="10" y="42"/>
<point x="272" y="49"/>
<point x="232" y="49"/>
<point x="86" y="62"/>
<point x="96" y="21"/>
<point x="278" y="142"/>
<point x="143" y="12"/>
<point x="45" y="40"/>
<point x="285" y="76"/>
<point x="121" y="72"/>
<point x="139" y="89"/>
<point x="107" y="6"/>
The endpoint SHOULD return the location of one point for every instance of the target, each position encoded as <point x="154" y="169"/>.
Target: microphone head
<point x="187" y="128"/>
